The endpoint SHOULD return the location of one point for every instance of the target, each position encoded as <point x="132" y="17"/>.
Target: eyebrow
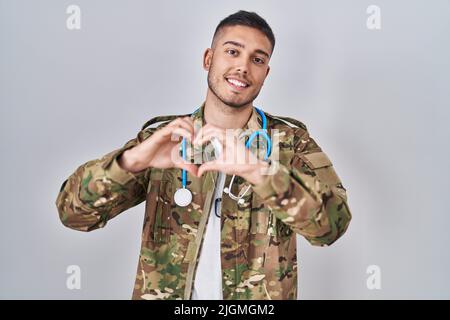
<point x="237" y="44"/>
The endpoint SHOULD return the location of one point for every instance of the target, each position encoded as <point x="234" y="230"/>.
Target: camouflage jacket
<point x="258" y="237"/>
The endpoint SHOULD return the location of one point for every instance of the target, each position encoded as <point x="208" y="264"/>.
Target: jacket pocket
<point x="161" y="231"/>
<point x="258" y="238"/>
<point x="322" y="167"/>
<point x="157" y="212"/>
<point x="259" y="221"/>
<point x="161" y="272"/>
<point x="150" y="210"/>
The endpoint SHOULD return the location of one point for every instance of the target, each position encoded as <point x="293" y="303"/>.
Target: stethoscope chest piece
<point x="183" y="197"/>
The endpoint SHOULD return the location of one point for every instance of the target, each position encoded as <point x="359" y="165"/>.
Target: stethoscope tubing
<point x="262" y="132"/>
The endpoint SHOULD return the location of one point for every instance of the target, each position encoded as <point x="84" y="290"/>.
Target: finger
<point x="185" y="123"/>
<point x="188" y="123"/>
<point x="176" y="133"/>
<point x="208" y="134"/>
<point x="208" y="166"/>
<point x="204" y="129"/>
<point x="211" y="137"/>
<point x="199" y="133"/>
<point x="177" y="128"/>
<point x="189" y="167"/>
<point x="179" y="162"/>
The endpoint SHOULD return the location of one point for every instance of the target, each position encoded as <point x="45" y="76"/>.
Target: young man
<point x="201" y="242"/>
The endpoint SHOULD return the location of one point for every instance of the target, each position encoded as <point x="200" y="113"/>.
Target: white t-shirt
<point x="208" y="278"/>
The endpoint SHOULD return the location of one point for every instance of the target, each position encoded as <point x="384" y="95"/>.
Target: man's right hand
<point x="161" y="149"/>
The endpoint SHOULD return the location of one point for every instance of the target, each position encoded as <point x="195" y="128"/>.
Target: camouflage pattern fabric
<point x="258" y="238"/>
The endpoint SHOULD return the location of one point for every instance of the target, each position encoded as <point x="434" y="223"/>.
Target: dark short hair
<point x="248" y="19"/>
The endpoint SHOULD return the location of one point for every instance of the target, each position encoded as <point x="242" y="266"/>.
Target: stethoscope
<point x="183" y="196"/>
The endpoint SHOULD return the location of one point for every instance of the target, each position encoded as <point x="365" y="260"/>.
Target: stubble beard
<point x="231" y="104"/>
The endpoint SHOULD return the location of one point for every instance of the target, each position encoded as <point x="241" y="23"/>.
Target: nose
<point x="242" y="70"/>
<point x="243" y="65"/>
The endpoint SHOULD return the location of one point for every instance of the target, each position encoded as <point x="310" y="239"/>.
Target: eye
<point x="258" y="60"/>
<point x="232" y="52"/>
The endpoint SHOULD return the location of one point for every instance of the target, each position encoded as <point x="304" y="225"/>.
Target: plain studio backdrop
<point x="376" y="101"/>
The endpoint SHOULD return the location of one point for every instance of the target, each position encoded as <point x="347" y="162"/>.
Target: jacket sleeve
<point x="100" y="189"/>
<point x="309" y="196"/>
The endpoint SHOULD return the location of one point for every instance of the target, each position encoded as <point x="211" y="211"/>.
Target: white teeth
<point x="237" y="83"/>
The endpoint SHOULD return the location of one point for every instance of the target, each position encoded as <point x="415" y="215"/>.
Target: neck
<point x="223" y="116"/>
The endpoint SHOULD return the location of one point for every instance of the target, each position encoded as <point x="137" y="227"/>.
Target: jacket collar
<point x="253" y="124"/>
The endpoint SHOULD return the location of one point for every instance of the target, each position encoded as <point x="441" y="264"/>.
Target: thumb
<point x="207" y="166"/>
<point x="179" y="162"/>
<point x="191" y="168"/>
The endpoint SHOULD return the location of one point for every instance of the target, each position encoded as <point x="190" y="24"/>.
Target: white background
<point x="376" y="101"/>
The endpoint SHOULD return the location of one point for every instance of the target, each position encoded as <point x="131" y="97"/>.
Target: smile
<point x="237" y="84"/>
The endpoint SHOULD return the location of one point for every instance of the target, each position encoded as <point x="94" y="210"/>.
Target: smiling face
<point x="237" y="65"/>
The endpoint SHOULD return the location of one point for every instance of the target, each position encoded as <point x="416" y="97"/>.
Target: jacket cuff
<point x="275" y="183"/>
<point x="115" y="172"/>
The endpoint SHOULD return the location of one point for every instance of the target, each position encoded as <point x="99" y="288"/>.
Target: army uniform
<point x="258" y="237"/>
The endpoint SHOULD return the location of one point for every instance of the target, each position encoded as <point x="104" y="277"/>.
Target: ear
<point x="207" y="57"/>
<point x="267" y="73"/>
